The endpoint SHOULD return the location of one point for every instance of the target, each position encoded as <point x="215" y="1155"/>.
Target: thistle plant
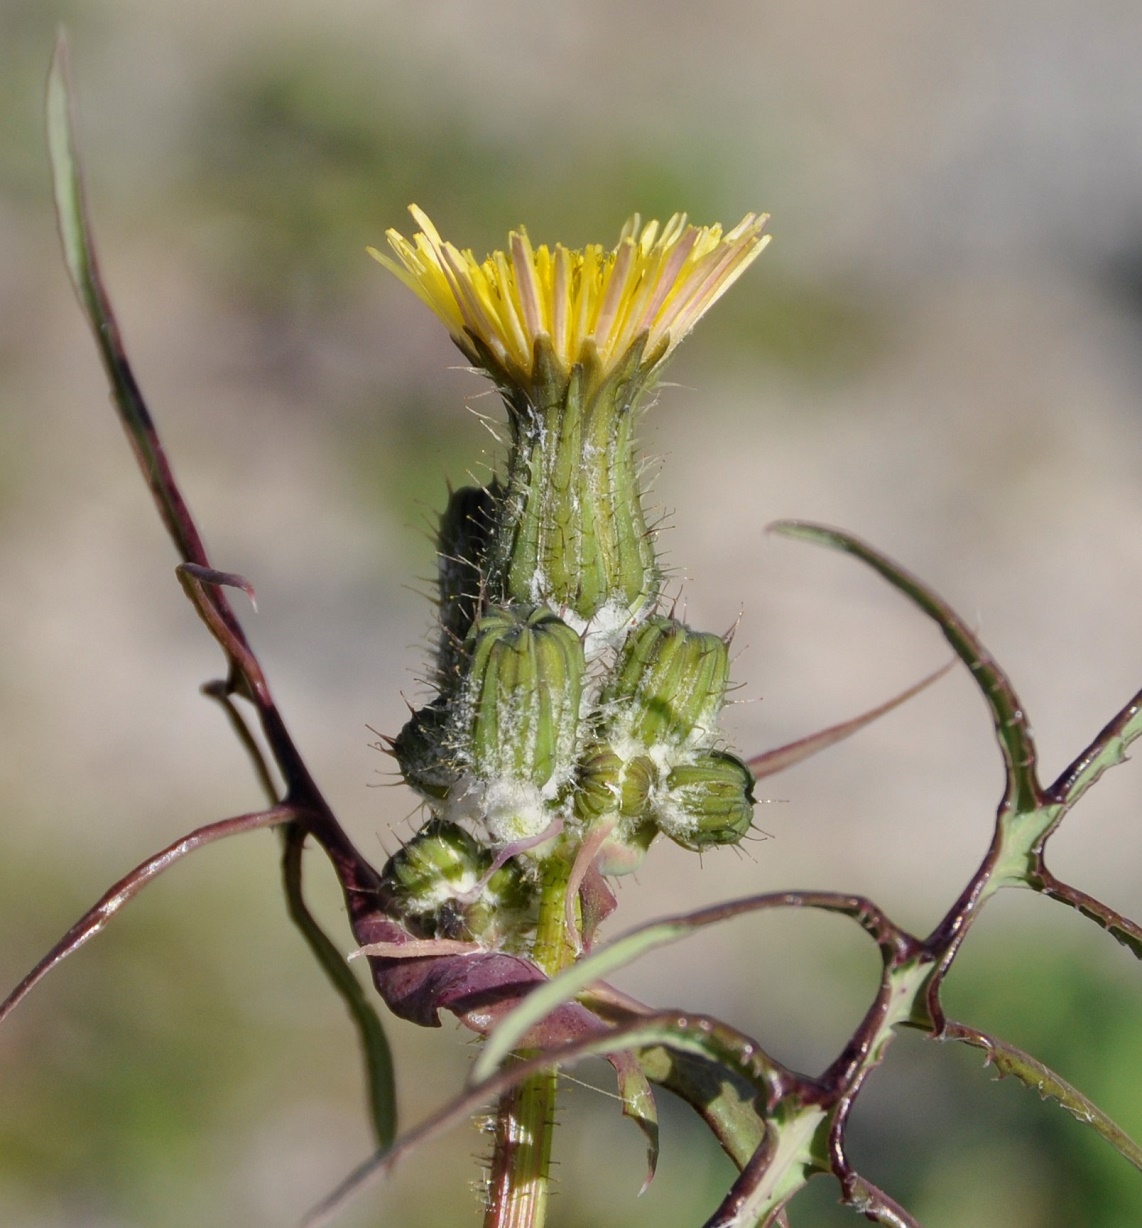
<point x="574" y="722"/>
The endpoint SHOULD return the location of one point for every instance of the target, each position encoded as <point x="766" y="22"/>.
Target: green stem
<point x="519" y="1178"/>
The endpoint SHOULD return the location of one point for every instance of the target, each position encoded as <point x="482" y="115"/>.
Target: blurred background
<point x="940" y="351"/>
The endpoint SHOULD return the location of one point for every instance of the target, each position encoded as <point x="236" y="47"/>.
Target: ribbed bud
<point x="608" y="784"/>
<point x="572" y="533"/>
<point x="520" y="705"/>
<point x="421" y="750"/>
<point x="504" y="907"/>
<point x="668" y="686"/>
<point x="707" y="802"/>
<point x="618" y="791"/>
<point x="430" y="879"/>
<point x="439" y="863"/>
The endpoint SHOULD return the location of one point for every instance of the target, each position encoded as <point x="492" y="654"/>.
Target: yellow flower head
<point x="590" y="305"/>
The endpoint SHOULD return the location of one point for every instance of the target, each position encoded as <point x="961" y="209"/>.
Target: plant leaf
<point x="131" y="884"/>
<point x="83" y="267"/>
<point x="722" y="1098"/>
<point x="780" y="1167"/>
<point x="1013" y="732"/>
<point x="682" y="1032"/>
<point x="379" y="1079"/>
<point x="874" y="1204"/>
<point x="639" y="1107"/>
<point x="1008" y="1060"/>
<point x="1127" y="932"/>
<point x="1106" y="751"/>
<point x="545" y="997"/>
<point x="770" y="762"/>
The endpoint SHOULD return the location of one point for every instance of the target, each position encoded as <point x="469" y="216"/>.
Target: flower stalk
<point x="519" y="1179"/>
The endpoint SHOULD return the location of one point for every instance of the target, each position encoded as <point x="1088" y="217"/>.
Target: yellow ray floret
<point x="657" y="281"/>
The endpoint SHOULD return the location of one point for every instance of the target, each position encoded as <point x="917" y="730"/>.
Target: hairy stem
<point x="519" y="1179"/>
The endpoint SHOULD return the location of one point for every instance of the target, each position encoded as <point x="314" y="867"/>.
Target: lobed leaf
<point x="681" y="1032"/>
<point x="601" y="962"/>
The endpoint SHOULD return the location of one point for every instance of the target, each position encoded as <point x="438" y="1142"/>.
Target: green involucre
<point x="519" y="712"/>
<point x="668" y="686"/>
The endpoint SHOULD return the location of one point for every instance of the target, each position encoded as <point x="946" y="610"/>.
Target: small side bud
<point x="598" y="784"/>
<point x="617" y="792"/>
<point x="441" y="862"/>
<point x="462" y="545"/>
<point x="668" y="686"/>
<point x="505" y="907"/>
<point x="421" y="750"/>
<point x="608" y="784"/>
<point x="707" y="802"/>
<point x="431" y="880"/>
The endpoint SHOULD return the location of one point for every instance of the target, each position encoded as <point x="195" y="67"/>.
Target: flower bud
<point x="607" y="784"/>
<point x="617" y="791"/>
<point x="421" y="750"/>
<point x="461" y="563"/>
<point x="520" y="706"/>
<point x="431" y="880"/>
<point x="441" y="862"/>
<point x="668" y="685"/>
<point x="707" y="801"/>
<point x="505" y="906"/>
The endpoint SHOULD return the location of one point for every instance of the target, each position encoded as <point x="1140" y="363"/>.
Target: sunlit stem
<point x="519" y="1179"/>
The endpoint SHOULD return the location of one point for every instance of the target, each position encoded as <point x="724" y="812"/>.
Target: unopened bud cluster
<point x="568" y="709"/>
<point x="545" y="727"/>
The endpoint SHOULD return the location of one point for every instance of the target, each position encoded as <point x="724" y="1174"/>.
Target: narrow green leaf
<point x="1008" y="1060"/>
<point x="83" y="267"/>
<point x="725" y="1101"/>
<point x="601" y="962"/>
<point x="379" y="1081"/>
<point x="1023" y="792"/>
<point x="65" y="174"/>
<point x="640" y="1108"/>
